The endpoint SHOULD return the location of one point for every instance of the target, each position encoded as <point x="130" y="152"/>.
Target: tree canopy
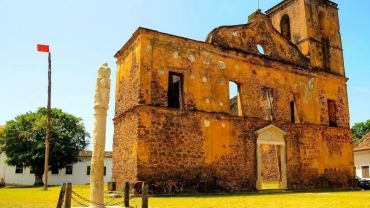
<point x="360" y="129"/>
<point x="23" y="140"/>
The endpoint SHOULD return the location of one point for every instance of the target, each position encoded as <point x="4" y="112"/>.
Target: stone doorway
<point x="270" y="166"/>
<point x="271" y="146"/>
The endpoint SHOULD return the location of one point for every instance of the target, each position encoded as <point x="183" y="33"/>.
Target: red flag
<point x="42" y="48"/>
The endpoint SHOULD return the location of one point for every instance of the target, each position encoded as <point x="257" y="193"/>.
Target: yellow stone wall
<point x="201" y="145"/>
<point x="206" y="80"/>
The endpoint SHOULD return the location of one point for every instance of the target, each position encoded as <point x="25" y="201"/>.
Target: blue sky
<point x="84" y="34"/>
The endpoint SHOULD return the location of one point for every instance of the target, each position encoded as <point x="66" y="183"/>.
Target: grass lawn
<point x="270" y="185"/>
<point x="37" y="198"/>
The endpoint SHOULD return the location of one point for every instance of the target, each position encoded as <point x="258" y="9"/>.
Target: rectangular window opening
<point x="326" y="51"/>
<point x="105" y="171"/>
<point x="88" y="170"/>
<point x="268" y="95"/>
<point x="294" y="116"/>
<point x="332" y="111"/>
<point x="292" y="112"/>
<point x="365" y="172"/>
<point x="19" y="169"/>
<point x="54" y="170"/>
<point x="175" y="90"/>
<point x="69" y="170"/>
<point x="234" y="99"/>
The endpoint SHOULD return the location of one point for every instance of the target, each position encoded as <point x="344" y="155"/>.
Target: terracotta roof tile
<point x="363" y="144"/>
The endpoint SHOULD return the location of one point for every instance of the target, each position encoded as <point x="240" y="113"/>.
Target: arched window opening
<point x="285" y="27"/>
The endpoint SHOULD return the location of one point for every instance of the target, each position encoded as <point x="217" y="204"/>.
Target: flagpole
<point x="48" y="126"/>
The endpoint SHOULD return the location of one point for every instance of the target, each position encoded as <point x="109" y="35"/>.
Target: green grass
<point x="270" y="186"/>
<point x="37" y="198"/>
<point x="28" y="197"/>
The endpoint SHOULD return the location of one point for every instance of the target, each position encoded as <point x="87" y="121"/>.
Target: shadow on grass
<point x="263" y="193"/>
<point x="13" y="185"/>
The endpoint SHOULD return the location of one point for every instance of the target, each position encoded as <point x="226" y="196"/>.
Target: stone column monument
<point x="101" y="103"/>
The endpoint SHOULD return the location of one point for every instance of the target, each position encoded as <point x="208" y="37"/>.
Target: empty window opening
<point x="19" y="169"/>
<point x="326" y="53"/>
<point x="292" y="112"/>
<point x="268" y="96"/>
<point x="270" y="166"/>
<point x="365" y="172"/>
<point x="260" y="49"/>
<point x="69" y="170"/>
<point x="88" y="169"/>
<point x="105" y="171"/>
<point x="285" y="27"/>
<point x="332" y="111"/>
<point x="175" y="89"/>
<point x="294" y="118"/>
<point x="234" y="99"/>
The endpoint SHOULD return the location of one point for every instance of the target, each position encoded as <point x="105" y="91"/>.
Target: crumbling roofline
<point x="223" y="51"/>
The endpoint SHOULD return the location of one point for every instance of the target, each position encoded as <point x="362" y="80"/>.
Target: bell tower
<point x="312" y="25"/>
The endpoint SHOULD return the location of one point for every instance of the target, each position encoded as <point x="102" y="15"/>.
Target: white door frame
<point x="271" y="135"/>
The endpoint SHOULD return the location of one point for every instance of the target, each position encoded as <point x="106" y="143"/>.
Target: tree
<point x="23" y="141"/>
<point x="360" y="129"/>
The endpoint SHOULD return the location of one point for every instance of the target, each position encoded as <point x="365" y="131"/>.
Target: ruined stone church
<point x="254" y="103"/>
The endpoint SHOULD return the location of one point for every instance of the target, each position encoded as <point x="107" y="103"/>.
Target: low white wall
<point x="79" y="173"/>
<point x="2" y="162"/>
<point x="362" y="158"/>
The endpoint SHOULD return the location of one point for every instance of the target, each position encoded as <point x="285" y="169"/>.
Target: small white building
<point x="361" y="151"/>
<point x="78" y="173"/>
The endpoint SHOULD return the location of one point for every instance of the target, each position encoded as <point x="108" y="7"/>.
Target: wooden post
<point x="144" y="191"/>
<point x="68" y="196"/>
<point x="61" y="196"/>
<point x="48" y="127"/>
<point x="127" y="195"/>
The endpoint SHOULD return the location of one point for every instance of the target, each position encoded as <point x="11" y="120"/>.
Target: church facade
<point x="197" y="116"/>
